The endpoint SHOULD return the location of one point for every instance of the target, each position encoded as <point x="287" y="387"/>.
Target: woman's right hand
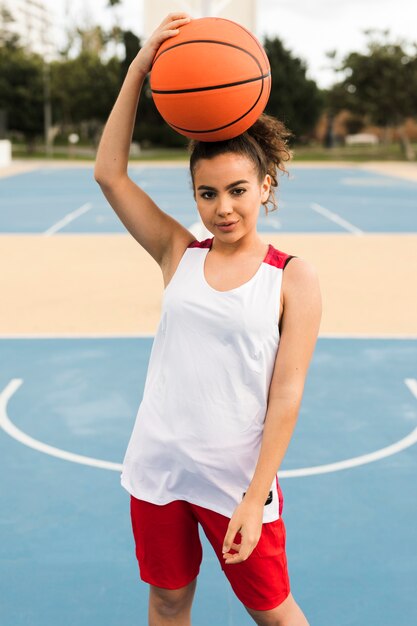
<point x="169" y="27"/>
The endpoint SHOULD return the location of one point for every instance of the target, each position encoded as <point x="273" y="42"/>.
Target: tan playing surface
<point x="108" y="284"/>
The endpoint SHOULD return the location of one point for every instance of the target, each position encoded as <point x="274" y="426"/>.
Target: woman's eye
<point x="209" y="195"/>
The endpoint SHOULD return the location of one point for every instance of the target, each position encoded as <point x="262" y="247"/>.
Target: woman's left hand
<point x="247" y="520"/>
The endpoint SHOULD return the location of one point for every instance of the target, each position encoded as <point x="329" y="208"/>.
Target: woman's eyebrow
<point x="238" y="182"/>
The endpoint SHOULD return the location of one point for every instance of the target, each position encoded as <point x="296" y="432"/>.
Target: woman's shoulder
<point x="300" y="280"/>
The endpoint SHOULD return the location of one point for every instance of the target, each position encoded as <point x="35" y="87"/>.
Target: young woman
<point x="220" y="400"/>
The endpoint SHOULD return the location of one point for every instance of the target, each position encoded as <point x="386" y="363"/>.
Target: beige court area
<point x="107" y="284"/>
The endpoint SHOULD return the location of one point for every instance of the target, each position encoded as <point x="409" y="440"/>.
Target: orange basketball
<point x="211" y="81"/>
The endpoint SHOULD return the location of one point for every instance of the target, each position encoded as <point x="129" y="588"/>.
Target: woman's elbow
<point x="104" y="178"/>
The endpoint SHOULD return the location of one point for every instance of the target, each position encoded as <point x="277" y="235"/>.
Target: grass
<point x="86" y="153"/>
<point x="317" y="152"/>
<point x="391" y="152"/>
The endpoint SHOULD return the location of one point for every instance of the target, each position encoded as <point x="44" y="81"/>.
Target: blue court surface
<point x="67" y="407"/>
<point x="339" y="200"/>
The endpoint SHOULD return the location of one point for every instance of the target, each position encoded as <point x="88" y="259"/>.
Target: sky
<point x="309" y="28"/>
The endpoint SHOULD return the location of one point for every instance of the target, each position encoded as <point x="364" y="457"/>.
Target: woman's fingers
<point x="174" y="23"/>
<point x="234" y="546"/>
<point x="169" y="29"/>
<point x="172" y="17"/>
<point x="242" y="554"/>
<point x="242" y="551"/>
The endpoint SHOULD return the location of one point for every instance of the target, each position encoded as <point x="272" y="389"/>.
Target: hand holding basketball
<point x="169" y="27"/>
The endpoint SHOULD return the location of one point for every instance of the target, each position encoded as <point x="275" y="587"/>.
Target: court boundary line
<point x="13" y="431"/>
<point x="67" y="219"/>
<point x="336" y="218"/>
<point x="410" y="337"/>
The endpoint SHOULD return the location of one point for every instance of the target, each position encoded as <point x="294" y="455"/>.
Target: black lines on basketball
<point x="196" y="89"/>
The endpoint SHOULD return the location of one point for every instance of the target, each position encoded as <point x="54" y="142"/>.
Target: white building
<point x="242" y="11"/>
<point x="31" y="21"/>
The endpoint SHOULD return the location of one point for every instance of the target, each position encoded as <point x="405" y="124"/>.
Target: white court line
<point x="146" y="335"/>
<point x="334" y="217"/>
<point x="356" y="336"/>
<point x="412" y="385"/>
<point x="68" y="218"/>
<point x="75" y="336"/>
<point x="274" y="222"/>
<point x="19" y="435"/>
<point x="369" y="182"/>
<point x="382" y="453"/>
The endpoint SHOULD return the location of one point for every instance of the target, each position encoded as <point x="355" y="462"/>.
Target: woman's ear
<point x="266" y="188"/>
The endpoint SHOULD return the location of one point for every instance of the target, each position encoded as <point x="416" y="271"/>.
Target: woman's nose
<point x="224" y="206"/>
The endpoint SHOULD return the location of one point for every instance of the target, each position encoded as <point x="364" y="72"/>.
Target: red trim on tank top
<point x="280" y="497"/>
<point x="276" y="258"/>
<point x="201" y="244"/>
<point x="273" y="256"/>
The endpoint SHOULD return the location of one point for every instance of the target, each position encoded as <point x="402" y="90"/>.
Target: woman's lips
<point x="227" y="226"/>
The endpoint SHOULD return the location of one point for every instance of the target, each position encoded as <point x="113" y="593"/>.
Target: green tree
<point x="295" y="99"/>
<point x="84" y="90"/>
<point x="7" y="37"/>
<point x="379" y="84"/>
<point x="21" y="91"/>
<point x="132" y="46"/>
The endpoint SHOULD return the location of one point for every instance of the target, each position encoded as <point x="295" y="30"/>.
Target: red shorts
<point x="169" y="551"/>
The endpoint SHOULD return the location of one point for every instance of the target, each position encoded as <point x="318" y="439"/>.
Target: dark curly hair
<point x="265" y="143"/>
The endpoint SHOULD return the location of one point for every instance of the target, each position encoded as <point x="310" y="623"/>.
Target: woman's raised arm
<point x="148" y="224"/>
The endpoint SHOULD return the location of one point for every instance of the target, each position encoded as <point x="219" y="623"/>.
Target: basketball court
<point x="80" y="306"/>
<point x="81" y="303"/>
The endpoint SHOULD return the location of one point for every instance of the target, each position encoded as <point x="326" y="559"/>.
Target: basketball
<point x="212" y="81"/>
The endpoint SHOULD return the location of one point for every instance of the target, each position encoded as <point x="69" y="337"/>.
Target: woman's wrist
<point x="256" y="498"/>
<point x="137" y="69"/>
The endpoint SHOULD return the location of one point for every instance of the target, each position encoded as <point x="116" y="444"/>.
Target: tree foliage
<point x="132" y="46"/>
<point x="21" y="90"/>
<point x="295" y="99"/>
<point x="84" y="89"/>
<point x="8" y="38"/>
<point x="380" y="83"/>
<point x="84" y="84"/>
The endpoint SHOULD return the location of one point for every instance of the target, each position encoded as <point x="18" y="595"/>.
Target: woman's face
<point x="227" y="189"/>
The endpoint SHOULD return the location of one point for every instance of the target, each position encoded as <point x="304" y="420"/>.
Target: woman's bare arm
<point x="154" y="229"/>
<point x="300" y="327"/>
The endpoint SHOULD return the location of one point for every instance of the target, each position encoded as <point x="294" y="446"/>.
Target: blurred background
<point x="344" y="74"/>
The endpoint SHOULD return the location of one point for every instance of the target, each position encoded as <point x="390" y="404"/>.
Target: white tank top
<point x="199" y="426"/>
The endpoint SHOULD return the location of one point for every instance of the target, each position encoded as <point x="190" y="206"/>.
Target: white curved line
<point x="400" y="445"/>
<point x="412" y="385"/>
<point x="19" y="435"/>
